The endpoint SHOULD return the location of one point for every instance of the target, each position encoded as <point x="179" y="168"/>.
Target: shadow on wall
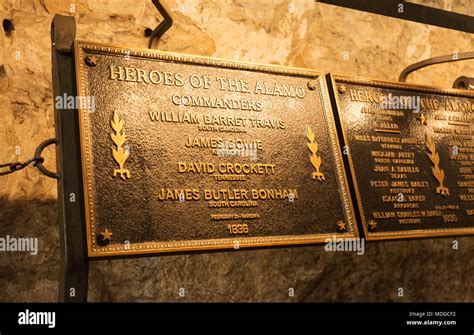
<point x="30" y="275"/>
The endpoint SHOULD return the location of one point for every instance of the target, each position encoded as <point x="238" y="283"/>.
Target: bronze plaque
<point x="186" y="153"/>
<point x="411" y="155"/>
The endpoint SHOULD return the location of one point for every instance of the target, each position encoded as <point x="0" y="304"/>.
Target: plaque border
<point x="392" y="235"/>
<point x="80" y="47"/>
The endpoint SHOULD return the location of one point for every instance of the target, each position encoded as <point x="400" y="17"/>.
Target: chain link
<point x="13" y="167"/>
<point x="37" y="161"/>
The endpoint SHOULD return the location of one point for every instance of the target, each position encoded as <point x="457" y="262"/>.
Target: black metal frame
<point x="164" y="25"/>
<point x="74" y="267"/>
<point x="432" y="61"/>
<point x="420" y="14"/>
<point x="411" y="12"/>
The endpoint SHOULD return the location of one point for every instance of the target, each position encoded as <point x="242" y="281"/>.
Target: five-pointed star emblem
<point x="106" y="235"/>
<point x="92" y="60"/>
<point x="372" y="225"/>
<point x="341" y="226"/>
<point x="342" y="88"/>
<point x="422" y="119"/>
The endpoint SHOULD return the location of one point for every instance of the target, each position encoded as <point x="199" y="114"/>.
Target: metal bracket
<point x="63" y="33"/>
<point x="74" y="264"/>
<point x="405" y="10"/>
<point x="435" y="60"/>
<point x="164" y="25"/>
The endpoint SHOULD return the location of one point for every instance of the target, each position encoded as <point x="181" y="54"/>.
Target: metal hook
<point x="464" y="83"/>
<point x="435" y="60"/>
<point x="164" y="25"/>
<point x="39" y="160"/>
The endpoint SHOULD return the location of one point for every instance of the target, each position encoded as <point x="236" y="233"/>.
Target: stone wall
<point x="298" y="33"/>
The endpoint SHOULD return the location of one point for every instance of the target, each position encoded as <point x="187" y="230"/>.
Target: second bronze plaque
<point x="411" y="155"/>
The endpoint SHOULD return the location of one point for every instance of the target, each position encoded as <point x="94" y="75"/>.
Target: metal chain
<point x="37" y="161"/>
<point x="13" y="167"/>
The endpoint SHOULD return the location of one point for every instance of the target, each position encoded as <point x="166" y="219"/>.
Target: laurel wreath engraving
<point x="437" y="172"/>
<point x="315" y="159"/>
<point x="120" y="155"/>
